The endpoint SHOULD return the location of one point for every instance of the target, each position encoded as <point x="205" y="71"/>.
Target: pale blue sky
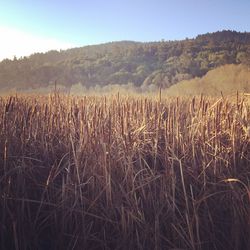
<point x="77" y="23"/>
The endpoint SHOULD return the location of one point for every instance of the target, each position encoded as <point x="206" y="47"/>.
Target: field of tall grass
<point x="124" y="172"/>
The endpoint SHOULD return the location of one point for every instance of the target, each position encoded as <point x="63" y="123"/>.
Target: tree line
<point x="161" y="63"/>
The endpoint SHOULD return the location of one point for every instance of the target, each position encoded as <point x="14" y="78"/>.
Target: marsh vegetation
<point x="124" y="172"/>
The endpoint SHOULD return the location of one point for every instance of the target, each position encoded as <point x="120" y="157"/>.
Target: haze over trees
<point x="139" y="64"/>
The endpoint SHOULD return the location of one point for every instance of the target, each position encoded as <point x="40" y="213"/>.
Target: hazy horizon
<point x="40" y="26"/>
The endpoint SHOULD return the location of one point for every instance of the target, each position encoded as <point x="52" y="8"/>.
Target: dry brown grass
<point x="121" y="172"/>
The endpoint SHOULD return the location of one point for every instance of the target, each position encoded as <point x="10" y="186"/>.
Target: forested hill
<point x="141" y="64"/>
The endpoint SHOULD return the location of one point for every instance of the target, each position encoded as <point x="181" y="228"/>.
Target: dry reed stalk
<point x="124" y="172"/>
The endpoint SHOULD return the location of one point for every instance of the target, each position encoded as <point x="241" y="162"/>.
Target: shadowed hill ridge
<point x="148" y="64"/>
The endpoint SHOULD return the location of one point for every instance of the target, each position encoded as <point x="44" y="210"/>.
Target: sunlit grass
<point x="124" y="172"/>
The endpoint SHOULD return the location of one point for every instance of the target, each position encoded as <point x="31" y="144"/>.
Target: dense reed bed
<point x="121" y="172"/>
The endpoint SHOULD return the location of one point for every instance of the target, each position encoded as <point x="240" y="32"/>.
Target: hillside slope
<point x="226" y="79"/>
<point x="141" y="64"/>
